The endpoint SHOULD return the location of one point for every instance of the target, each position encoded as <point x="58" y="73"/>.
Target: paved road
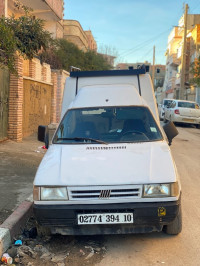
<point x="158" y="248"/>
<point x="142" y="249"/>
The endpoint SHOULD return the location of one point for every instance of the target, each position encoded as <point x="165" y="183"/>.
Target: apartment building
<point x="173" y="57"/>
<point x="74" y="33"/>
<point x="159" y="71"/>
<point x="51" y="11"/>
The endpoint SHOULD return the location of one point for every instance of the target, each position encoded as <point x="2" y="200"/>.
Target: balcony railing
<point x="173" y="60"/>
<point x="56" y="6"/>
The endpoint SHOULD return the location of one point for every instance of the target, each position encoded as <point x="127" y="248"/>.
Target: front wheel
<point x="175" y="227"/>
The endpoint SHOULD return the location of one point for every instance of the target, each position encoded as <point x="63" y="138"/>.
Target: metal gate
<point x="4" y="94"/>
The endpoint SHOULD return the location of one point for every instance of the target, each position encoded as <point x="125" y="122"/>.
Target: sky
<point x="130" y="28"/>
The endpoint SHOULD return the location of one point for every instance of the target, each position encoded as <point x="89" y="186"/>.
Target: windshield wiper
<point x="78" y="138"/>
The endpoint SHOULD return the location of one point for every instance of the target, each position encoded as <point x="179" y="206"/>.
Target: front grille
<point x="105" y="192"/>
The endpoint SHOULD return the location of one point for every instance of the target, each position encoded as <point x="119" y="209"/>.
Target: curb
<point x="13" y="225"/>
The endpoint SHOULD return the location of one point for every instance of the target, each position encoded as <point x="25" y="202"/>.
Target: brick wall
<point x="53" y="97"/>
<point x="35" y="95"/>
<point x="60" y="76"/>
<point x="16" y="103"/>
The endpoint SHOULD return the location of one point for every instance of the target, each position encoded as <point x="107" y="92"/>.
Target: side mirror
<point x="171" y="131"/>
<point x="43" y="135"/>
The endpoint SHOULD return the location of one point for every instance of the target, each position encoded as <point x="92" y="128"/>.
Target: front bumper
<point x="148" y="217"/>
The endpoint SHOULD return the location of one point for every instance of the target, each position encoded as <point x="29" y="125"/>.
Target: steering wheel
<point x="135" y="131"/>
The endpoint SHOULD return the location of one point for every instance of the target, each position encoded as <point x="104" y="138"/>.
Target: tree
<point x="24" y="35"/>
<point x="196" y="72"/>
<point x="67" y="54"/>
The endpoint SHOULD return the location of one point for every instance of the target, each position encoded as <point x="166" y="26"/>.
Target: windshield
<point x="107" y="125"/>
<point x="188" y="105"/>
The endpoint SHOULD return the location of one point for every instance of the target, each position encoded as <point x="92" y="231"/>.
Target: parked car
<point x="183" y="112"/>
<point x="162" y="106"/>
<point x="109" y="169"/>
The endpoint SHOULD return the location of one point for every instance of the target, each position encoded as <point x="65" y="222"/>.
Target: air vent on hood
<point x="106" y="148"/>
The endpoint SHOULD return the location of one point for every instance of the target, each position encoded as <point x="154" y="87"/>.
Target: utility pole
<point x="183" y="56"/>
<point x="153" y="67"/>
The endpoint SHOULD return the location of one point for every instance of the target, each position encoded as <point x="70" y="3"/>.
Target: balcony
<point x="173" y="60"/>
<point x="47" y="10"/>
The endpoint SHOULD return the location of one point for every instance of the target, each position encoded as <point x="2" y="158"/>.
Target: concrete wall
<point x="36" y="105"/>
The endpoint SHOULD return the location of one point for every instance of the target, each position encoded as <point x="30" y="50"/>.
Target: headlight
<point x="157" y="190"/>
<point x="161" y="190"/>
<point x="54" y="193"/>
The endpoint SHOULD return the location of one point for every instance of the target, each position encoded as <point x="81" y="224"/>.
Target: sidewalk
<point x="18" y="165"/>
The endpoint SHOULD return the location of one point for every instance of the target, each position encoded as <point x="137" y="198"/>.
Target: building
<point x="173" y="57"/>
<point x="92" y="45"/>
<point x="34" y="96"/>
<point x="74" y="33"/>
<point x="51" y="11"/>
<point x="159" y="71"/>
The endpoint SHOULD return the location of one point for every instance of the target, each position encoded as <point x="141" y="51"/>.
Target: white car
<point x="162" y="106"/>
<point x="182" y="111"/>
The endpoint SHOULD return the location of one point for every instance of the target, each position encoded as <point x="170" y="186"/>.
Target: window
<point x="187" y="105"/>
<point x="109" y="124"/>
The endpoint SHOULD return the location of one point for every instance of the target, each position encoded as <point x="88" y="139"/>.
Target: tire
<point x="175" y="227"/>
<point x="197" y="126"/>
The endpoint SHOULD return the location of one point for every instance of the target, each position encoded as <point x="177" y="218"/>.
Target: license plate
<point x="105" y="218"/>
<point x="188" y="120"/>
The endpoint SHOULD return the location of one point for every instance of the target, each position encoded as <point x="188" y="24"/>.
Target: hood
<point x="113" y="164"/>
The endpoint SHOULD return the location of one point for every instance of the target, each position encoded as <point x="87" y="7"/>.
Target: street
<point x="156" y="249"/>
<point x="139" y="249"/>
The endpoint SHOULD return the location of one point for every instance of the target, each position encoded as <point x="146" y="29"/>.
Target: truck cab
<point x="109" y="169"/>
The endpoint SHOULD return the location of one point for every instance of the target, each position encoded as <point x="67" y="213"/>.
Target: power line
<point x="143" y="44"/>
<point x="147" y="53"/>
<point x="195" y="7"/>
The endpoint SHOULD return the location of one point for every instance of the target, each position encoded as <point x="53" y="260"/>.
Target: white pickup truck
<point x="109" y="169"/>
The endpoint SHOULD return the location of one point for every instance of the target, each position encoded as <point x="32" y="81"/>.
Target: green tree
<point x="67" y="54"/>
<point x="24" y="35"/>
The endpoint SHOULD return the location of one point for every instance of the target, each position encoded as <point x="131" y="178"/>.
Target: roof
<point x="107" y="95"/>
